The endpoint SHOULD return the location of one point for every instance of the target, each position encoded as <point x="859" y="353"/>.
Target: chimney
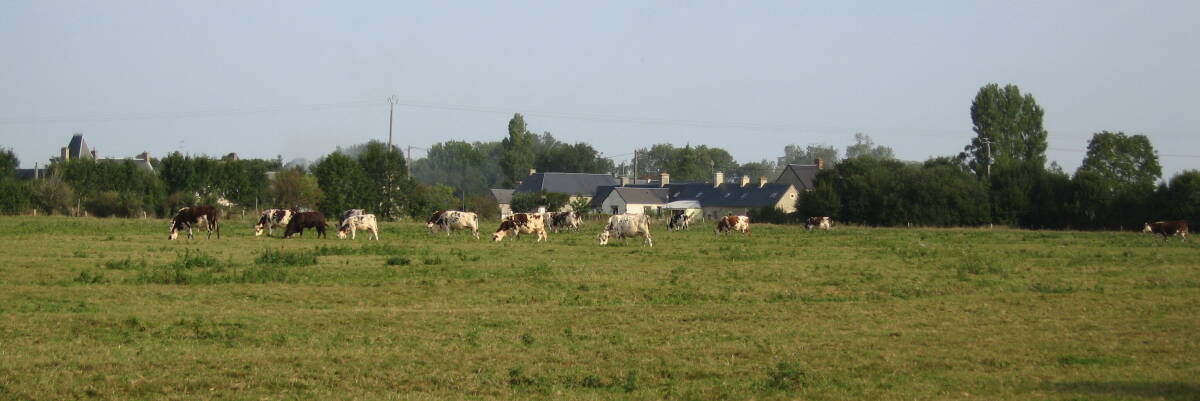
<point x="66" y="155"/>
<point x="745" y="181"/>
<point x="94" y="154"/>
<point x="145" y="156"/>
<point x="718" y="178"/>
<point x="762" y="181"/>
<point x="664" y="180"/>
<point x="624" y="180"/>
<point x="820" y="163"/>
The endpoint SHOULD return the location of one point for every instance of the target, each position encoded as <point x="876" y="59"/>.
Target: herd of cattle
<point x="619" y="226"/>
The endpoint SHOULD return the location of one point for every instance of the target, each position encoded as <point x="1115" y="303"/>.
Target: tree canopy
<point x="1011" y="121"/>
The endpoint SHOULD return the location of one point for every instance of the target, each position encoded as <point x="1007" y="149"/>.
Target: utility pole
<point x="634" y="172"/>
<point x="391" y="113"/>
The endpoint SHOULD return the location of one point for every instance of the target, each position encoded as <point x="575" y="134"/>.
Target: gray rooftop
<point x="502" y="196"/>
<point x="566" y="183"/>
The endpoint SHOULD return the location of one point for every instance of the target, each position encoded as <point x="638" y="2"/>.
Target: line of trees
<point x="1000" y="177"/>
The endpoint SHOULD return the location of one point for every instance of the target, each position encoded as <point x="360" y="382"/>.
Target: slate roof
<point x="730" y="195"/>
<point x="802" y="176"/>
<point x="566" y="183"/>
<point x="502" y="196"/>
<point x="643" y="196"/>
<point x="78" y="148"/>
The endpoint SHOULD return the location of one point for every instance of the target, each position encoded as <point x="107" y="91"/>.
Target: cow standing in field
<point x="187" y="217"/>
<point x="733" y="223"/>
<point x="679" y="221"/>
<point x="1168" y="228"/>
<point x="303" y="220"/>
<point x="627" y="225"/>
<point x="521" y="223"/>
<point x="350" y="213"/>
<point x="564" y="221"/>
<point x="823" y="223"/>
<point x="449" y="220"/>
<point x="356" y="223"/>
<point x="272" y="219"/>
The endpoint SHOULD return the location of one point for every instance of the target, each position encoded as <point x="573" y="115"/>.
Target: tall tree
<point x="292" y="188"/>
<point x="8" y="162"/>
<point x="344" y="183"/>
<point x="864" y="146"/>
<point x="794" y="154"/>
<point x="387" y="171"/>
<point x="1012" y="122"/>
<point x="1126" y="161"/>
<point x="518" y="152"/>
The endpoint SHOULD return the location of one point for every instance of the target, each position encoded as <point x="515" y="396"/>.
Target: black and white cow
<point x="356" y="223"/>
<point x="453" y="220"/>
<point x="627" y="225"/>
<point x="564" y="221"/>
<point x="187" y="217"/>
<point x="272" y="219"/>
<point x="822" y="222"/>
<point x="679" y="221"/>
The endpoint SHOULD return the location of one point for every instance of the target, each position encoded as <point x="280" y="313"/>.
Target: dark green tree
<point x="529" y="202"/>
<point x="1012" y="122"/>
<point x="1179" y="198"/>
<point x="518" y="156"/>
<point x="1117" y="179"/>
<point x="344" y="184"/>
<point x="294" y="189"/>
<point x="387" y="171"/>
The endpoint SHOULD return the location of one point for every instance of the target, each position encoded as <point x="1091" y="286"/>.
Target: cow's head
<point x="341" y="234"/>
<point x="499" y="235"/>
<point x="604" y="237"/>
<point x="1148" y="228"/>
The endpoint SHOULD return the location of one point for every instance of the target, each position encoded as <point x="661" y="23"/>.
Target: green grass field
<point x="109" y="309"/>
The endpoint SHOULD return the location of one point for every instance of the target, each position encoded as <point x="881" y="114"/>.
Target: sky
<point x="300" y="78"/>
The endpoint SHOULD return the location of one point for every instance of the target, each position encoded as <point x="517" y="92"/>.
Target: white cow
<point x="627" y="225"/>
<point x="360" y="222"/>
<point x="272" y="219"/>
<point x="521" y="223"/>
<point x="451" y="220"/>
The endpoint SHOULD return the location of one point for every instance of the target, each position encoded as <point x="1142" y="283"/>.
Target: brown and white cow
<point x="823" y="223"/>
<point x="449" y="220"/>
<point x="733" y="223"/>
<point x="356" y="223"/>
<point x="1168" y="228"/>
<point x="564" y="221"/>
<point x="521" y="223"/>
<point x="303" y="220"/>
<point x="188" y="217"/>
<point x="272" y="219"/>
<point x="627" y="225"/>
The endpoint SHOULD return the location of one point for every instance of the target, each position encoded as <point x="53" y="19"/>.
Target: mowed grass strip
<point x="108" y="309"/>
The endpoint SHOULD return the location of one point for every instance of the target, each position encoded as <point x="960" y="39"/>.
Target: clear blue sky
<point x="298" y="78"/>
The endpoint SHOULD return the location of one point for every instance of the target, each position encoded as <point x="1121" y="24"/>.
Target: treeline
<point x="375" y="179"/>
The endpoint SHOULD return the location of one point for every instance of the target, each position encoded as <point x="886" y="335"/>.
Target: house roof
<point x="642" y="196"/>
<point x="566" y="183"/>
<point x="603" y="191"/>
<point x="140" y="163"/>
<point x="802" y="176"/>
<point x="78" y="148"/>
<point x="502" y="196"/>
<point x="730" y="195"/>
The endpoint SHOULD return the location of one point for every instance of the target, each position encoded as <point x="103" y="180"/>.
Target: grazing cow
<point x="679" y="221"/>
<point x="823" y="223"/>
<point x="733" y="223"/>
<point x="191" y="216"/>
<point x="359" y="222"/>
<point x="627" y="225"/>
<point x="272" y="219"/>
<point x="303" y="220"/>
<point x="521" y="223"/>
<point x="348" y="213"/>
<point x="449" y="220"/>
<point x="1168" y="228"/>
<point x="564" y="221"/>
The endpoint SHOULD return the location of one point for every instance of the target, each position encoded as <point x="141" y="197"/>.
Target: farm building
<point x="503" y="198"/>
<point x="631" y="200"/>
<point x="574" y="185"/>
<point x="801" y="176"/>
<point x="720" y="198"/>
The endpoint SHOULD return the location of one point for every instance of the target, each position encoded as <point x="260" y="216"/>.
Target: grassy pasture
<point x="108" y="309"/>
